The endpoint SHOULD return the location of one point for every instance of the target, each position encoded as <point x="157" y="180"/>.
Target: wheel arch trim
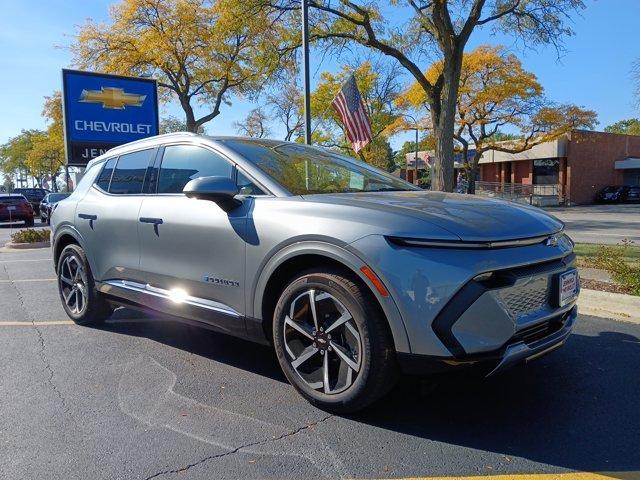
<point x="349" y="260"/>
<point x="69" y="230"/>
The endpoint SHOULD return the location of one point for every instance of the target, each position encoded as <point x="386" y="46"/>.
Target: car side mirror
<point x="221" y="190"/>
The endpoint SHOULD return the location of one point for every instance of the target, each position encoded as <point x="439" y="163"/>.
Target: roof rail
<point x="142" y="140"/>
<point x="173" y="134"/>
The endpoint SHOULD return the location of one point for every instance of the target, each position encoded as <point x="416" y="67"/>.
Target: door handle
<point x="91" y="218"/>
<point x="154" y="221"/>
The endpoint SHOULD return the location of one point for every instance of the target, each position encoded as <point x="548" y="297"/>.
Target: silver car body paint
<point x="247" y="245"/>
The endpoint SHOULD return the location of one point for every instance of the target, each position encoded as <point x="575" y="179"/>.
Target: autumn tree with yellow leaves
<point x="47" y="155"/>
<point x="419" y="30"/>
<point x="496" y="94"/>
<point x="202" y="52"/>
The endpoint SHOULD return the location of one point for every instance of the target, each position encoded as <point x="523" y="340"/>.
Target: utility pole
<point x="305" y="71"/>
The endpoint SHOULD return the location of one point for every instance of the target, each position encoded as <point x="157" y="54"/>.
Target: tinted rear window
<point x="105" y="176"/>
<point x="128" y="176"/>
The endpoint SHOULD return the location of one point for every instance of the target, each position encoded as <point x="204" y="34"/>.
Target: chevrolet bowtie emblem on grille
<point x="113" y="98"/>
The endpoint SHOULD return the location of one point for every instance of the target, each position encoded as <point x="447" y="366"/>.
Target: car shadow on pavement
<point x="249" y="356"/>
<point x="578" y="408"/>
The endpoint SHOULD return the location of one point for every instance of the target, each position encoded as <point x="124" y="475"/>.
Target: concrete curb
<point x="615" y="306"/>
<point x="25" y="246"/>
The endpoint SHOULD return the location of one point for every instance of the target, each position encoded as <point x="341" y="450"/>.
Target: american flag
<point x="349" y="106"/>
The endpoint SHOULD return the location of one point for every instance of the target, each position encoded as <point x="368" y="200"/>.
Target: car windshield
<point x="303" y="169"/>
<point x="56" y="197"/>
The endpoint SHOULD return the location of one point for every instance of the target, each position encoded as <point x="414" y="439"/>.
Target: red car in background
<point x="14" y="207"/>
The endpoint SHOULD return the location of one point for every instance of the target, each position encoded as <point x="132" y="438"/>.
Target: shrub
<point x="30" y="235"/>
<point x="613" y="259"/>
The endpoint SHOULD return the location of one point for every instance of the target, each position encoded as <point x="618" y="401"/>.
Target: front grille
<point x="525" y="299"/>
<point x="537" y="332"/>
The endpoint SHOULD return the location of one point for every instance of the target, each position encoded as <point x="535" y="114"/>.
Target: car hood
<point x="469" y="217"/>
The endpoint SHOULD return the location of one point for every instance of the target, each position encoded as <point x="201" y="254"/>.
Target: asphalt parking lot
<point x="145" y="397"/>
<point x="608" y="224"/>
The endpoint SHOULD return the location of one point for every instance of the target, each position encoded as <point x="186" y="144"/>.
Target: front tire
<point x="80" y="300"/>
<point x="29" y="222"/>
<point x="333" y="342"/>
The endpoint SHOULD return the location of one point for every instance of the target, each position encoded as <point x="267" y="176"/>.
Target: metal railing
<point x="540" y="195"/>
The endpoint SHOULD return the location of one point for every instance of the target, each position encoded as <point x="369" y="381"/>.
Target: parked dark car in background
<point x="15" y="207"/>
<point x="33" y="195"/>
<point x="633" y="194"/>
<point x="612" y="194"/>
<point x="47" y="204"/>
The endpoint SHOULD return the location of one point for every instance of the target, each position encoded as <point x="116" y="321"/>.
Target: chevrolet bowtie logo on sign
<point x="114" y="98"/>
<point x="102" y="111"/>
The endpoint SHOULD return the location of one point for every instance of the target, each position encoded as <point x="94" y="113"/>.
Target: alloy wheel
<point x="323" y="342"/>
<point x="73" y="284"/>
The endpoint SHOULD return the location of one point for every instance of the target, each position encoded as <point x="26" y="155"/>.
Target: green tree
<point x="254" y="124"/>
<point x="442" y="27"/>
<point x="47" y="155"/>
<point x="45" y="159"/>
<point x="284" y="104"/>
<point x="630" y="126"/>
<point x="171" y="124"/>
<point x="202" y="52"/>
<point x="14" y="153"/>
<point x="426" y="142"/>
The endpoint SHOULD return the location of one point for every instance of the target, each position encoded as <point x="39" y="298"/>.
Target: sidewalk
<point x="606" y="304"/>
<point x="613" y="306"/>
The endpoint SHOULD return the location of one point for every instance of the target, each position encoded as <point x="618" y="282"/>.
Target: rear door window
<point x="105" y="176"/>
<point x="128" y="176"/>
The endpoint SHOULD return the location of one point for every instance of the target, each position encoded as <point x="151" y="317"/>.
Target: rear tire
<point x="29" y="222"/>
<point x="80" y="299"/>
<point x="326" y="320"/>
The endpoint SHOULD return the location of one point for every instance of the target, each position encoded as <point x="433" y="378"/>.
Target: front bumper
<point x="521" y="349"/>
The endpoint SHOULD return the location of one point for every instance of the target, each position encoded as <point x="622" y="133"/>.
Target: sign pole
<point x="305" y="70"/>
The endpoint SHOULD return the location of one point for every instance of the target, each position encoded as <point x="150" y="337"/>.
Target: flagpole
<point x="305" y="71"/>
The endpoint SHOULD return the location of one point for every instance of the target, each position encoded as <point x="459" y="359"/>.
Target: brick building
<point x="578" y="164"/>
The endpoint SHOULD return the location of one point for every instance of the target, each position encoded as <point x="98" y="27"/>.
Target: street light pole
<point x="305" y="71"/>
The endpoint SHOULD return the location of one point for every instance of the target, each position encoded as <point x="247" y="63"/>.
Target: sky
<point x="593" y="72"/>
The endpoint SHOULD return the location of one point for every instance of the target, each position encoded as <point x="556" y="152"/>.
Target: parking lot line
<point x="27" y="323"/>
<point x="27" y="260"/>
<point x="631" y="475"/>
<point x="28" y="280"/>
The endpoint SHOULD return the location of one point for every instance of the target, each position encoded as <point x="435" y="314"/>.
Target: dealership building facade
<point x="579" y="163"/>
<point x="571" y="169"/>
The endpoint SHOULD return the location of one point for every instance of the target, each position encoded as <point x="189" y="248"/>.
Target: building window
<point x="546" y="171"/>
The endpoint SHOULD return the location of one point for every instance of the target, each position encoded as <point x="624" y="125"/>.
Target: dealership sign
<point x="102" y="111"/>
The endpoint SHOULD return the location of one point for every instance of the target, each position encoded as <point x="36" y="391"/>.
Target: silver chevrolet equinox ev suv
<point x="352" y="274"/>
